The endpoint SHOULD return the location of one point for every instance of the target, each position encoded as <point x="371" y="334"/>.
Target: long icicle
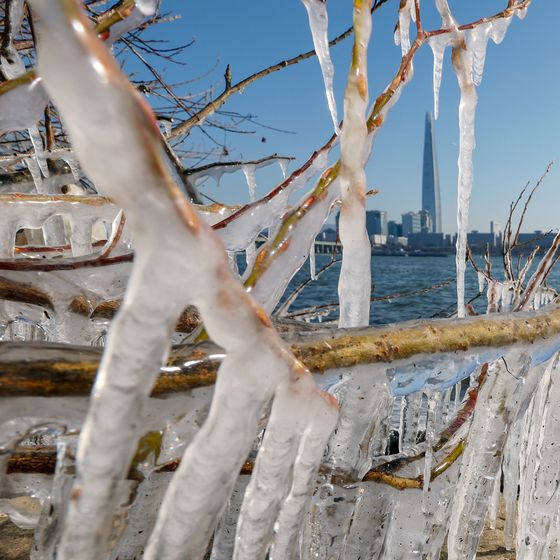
<point x="319" y="23"/>
<point x="354" y="286"/>
<point x="462" y="63"/>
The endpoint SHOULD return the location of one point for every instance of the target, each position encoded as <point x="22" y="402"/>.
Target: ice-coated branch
<point x="27" y="370"/>
<point x="354" y="285"/>
<point x="159" y="287"/>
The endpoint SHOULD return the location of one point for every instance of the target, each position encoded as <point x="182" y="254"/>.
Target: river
<point x="401" y="275"/>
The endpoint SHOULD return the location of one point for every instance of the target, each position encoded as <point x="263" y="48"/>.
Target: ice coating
<point x="319" y="23"/>
<point x="244" y="225"/>
<point x="10" y="61"/>
<point x="370" y="503"/>
<point x="33" y="211"/>
<point x="216" y="172"/>
<point x="447" y="19"/>
<point x="354" y="287"/>
<point x="268" y="287"/>
<point x="22" y="105"/>
<point x="104" y="454"/>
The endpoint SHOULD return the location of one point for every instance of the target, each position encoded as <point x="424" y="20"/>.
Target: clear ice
<point x="319" y="23"/>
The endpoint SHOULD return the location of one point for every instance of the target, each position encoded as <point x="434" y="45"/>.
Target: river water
<point x="401" y="275"/>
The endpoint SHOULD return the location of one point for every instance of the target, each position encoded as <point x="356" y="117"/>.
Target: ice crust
<point x="313" y="491"/>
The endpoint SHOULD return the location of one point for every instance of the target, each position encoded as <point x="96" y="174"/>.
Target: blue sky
<point x="518" y="122"/>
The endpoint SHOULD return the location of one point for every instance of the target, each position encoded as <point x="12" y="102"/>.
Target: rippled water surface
<point x="401" y="275"/>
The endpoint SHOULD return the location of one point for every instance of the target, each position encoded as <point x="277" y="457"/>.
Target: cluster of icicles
<point x="325" y="471"/>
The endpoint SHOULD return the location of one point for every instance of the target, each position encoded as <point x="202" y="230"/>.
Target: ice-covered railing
<point x="460" y="396"/>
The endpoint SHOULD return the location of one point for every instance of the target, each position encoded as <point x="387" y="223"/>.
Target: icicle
<point x="539" y="500"/>
<point x="80" y="238"/>
<point x="283" y="164"/>
<point x="354" y="287"/>
<point x="318" y="23"/>
<point x="232" y="260"/>
<point x="249" y="172"/>
<point x="312" y="269"/>
<point x="402" y="35"/>
<point x="409" y="424"/>
<point x="361" y="434"/>
<point x="499" y="29"/>
<point x="293" y="413"/>
<point x="481" y="281"/>
<point x="521" y="12"/>
<point x="462" y="62"/>
<point x="446" y="411"/>
<point x="510" y="469"/>
<point x="36" y="174"/>
<point x="458" y="387"/>
<point x="494" y="504"/>
<point x="432" y="424"/>
<point x="147" y="7"/>
<point x="438" y="44"/>
<point x="250" y="251"/>
<point x="72" y="162"/>
<point x="447" y="19"/>
<point x="51" y="521"/>
<point x="508" y="389"/>
<point x="271" y="474"/>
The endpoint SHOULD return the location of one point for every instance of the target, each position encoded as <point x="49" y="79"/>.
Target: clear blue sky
<point x="518" y="121"/>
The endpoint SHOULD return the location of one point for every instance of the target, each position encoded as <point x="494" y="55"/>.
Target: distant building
<point x="394" y="229"/>
<point x="430" y="177"/>
<point x="378" y="240"/>
<point x="376" y="222"/>
<point x="422" y="240"/>
<point x="495" y="227"/>
<point x="411" y="223"/>
<point x="478" y="241"/>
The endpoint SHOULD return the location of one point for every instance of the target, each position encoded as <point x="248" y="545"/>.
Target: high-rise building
<point x="394" y="228"/>
<point x="411" y="223"/>
<point x="430" y="177"/>
<point x="376" y="222"/>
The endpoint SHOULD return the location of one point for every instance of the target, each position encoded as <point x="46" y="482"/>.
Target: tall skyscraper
<point x="430" y="177"/>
